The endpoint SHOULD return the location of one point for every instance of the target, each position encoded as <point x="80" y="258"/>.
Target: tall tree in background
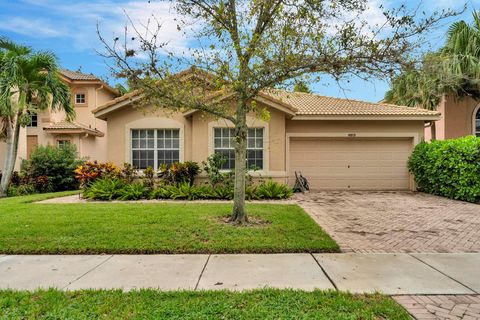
<point x="29" y="82"/>
<point x="247" y="47"/>
<point x="422" y="86"/>
<point x="462" y="56"/>
<point x="453" y="70"/>
<point x="301" y="86"/>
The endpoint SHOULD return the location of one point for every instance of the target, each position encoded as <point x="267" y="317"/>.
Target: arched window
<point x="477" y="122"/>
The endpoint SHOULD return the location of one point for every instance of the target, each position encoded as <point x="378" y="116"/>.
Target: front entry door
<point x="32" y="143"/>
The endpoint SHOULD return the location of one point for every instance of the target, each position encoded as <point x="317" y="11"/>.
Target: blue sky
<point x="68" y="28"/>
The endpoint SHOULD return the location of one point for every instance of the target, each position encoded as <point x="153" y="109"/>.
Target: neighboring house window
<point x="33" y="119"/>
<point x="152" y="148"/>
<point x="477" y="123"/>
<point x="63" y="143"/>
<point x="80" y="98"/>
<point x="223" y="145"/>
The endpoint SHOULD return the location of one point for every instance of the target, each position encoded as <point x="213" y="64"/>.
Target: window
<point x="151" y="148"/>
<point x="63" y="143"/>
<point x="33" y="120"/>
<point x="223" y="144"/>
<point x="80" y="98"/>
<point x="477" y="123"/>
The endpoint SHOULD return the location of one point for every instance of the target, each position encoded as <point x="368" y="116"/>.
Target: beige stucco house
<point x="87" y="132"/>
<point x="335" y="143"/>
<point x="460" y="117"/>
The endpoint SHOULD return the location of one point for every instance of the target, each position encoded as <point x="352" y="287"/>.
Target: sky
<point x="68" y="29"/>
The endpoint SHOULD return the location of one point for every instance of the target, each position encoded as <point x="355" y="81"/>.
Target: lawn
<point x="151" y="304"/>
<point x="93" y="228"/>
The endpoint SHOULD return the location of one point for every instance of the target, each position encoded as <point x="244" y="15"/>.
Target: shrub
<point x="449" y="168"/>
<point x="51" y="168"/>
<point x="215" y="175"/>
<point x="179" y="172"/>
<point x="273" y="190"/>
<point x="104" y="189"/>
<point x="183" y="191"/>
<point x="223" y="192"/>
<point x="149" y="178"/>
<point x="251" y="193"/>
<point x="133" y="191"/>
<point x="128" y="173"/>
<point x="91" y="171"/>
<point x="21" y="190"/>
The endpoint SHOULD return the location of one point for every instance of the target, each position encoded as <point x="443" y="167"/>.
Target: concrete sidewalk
<point x="387" y="273"/>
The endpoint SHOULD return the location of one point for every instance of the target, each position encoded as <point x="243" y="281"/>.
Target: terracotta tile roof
<point x="76" y="75"/>
<point x="312" y="104"/>
<point x="307" y="104"/>
<point x="126" y="96"/>
<point x="74" y="127"/>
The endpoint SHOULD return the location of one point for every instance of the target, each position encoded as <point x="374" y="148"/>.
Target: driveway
<point x="375" y="222"/>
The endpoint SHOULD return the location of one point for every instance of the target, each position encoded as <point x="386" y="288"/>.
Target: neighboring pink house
<point x="87" y="133"/>
<point x="460" y="118"/>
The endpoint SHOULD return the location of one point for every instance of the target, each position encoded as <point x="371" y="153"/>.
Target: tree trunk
<point x="13" y="132"/>
<point x="433" y="131"/>
<point x="239" y="216"/>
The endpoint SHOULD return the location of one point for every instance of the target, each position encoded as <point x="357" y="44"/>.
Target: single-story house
<point x="335" y="143"/>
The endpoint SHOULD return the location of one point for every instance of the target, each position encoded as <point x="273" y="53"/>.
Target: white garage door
<point x="356" y="164"/>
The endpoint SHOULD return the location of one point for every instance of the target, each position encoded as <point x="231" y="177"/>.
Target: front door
<point x="32" y="143"/>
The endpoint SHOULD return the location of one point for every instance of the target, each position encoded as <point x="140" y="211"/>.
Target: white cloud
<point x="30" y="27"/>
<point x="77" y="21"/>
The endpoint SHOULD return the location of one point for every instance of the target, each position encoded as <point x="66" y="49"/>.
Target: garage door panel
<point x="362" y="164"/>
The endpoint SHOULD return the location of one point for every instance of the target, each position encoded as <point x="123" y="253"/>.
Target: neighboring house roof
<point x="72" y="127"/>
<point x="79" y="77"/>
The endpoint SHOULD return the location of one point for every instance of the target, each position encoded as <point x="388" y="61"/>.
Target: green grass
<point x="92" y="228"/>
<point x="151" y="304"/>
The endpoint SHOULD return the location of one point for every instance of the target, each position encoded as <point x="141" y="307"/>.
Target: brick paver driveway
<point x="395" y="221"/>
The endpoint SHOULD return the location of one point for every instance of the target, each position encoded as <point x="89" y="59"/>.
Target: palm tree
<point x="462" y="55"/>
<point x="422" y="87"/>
<point x="454" y="70"/>
<point x="29" y="82"/>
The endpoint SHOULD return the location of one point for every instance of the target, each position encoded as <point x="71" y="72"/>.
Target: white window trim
<point x="474" y="122"/>
<point x="155" y="146"/>
<point x="251" y="123"/>
<point x="153" y="124"/>
<point x="84" y="98"/>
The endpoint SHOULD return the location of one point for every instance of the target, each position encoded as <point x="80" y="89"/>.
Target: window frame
<point x="263" y="148"/>
<point x="58" y="141"/>
<point x="84" y="93"/>
<point x="155" y="147"/>
<point x="475" y="118"/>
<point x="33" y="114"/>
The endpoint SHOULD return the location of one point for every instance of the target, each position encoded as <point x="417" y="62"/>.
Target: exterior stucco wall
<point x="121" y="122"/>
<point x="356" y="126"/>
<point x="457" y="118"/>
<point x="197" y="135"/>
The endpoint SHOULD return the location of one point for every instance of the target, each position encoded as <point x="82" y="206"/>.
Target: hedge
<point x="449" y="168"/>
